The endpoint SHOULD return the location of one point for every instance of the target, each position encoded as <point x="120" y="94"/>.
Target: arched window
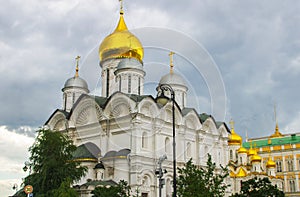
<point x="129" y="84"/>
<point x="188" y="150"/>
<point x="139" y="86"/>
<point x="167" y="145"/>
<point x="144" y="140"/>
<point x="292" y="185"/>
<point x="231" y="155"/>
<point x="168" y="188"/>
<point x="291" y="165"/>
<point x="73" y="99"/>
<point x="120" y="83"/>
<point x="278" y="166"/>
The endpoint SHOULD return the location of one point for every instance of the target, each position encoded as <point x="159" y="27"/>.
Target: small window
<point x="188" y="150"/>
<point x="144" y="140"/>
<point x="230" y="155"/>
<point x="167" y="145"/>
<point x="129" y="84"/>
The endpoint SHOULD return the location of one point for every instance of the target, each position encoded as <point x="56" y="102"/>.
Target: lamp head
<point x="162" y="99"/>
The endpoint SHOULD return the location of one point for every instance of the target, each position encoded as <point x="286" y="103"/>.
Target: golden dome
<point x="251" y="152"/>
<point x="271" y="163"/>
<point x="242" y="150"/>
<point x="255" y="158"/>
<point x="234" y="138"/>
<point x="121" y="44"/>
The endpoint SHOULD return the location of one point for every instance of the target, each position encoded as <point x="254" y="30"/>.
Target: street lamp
<point x="160" y="173"/>
<point x="162" y="99"/>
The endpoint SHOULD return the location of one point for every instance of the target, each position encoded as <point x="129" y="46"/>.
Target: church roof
<point x="87" y="152"/>
<point x="55" y="112"/>
<point x="121" y="154"/>
<point x="97" y="183"/>
<point x="291" y="139"/>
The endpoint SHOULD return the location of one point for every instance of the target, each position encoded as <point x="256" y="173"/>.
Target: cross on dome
<point x="171" y="61"/>
<point x="77" y="67"/>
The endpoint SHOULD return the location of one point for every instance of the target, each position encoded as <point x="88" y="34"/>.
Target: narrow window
<point x="188" y="150"/>
<point x="139" y="86"/>
<point x="167" y="145"/>
<point x="107" y="82"/>
<point x="120" y="83"/>
<point x="73" y="99"/>
<point x="129" y="84"/>
<point x="65" y="99"/>
<point x="144" y="140"/>
<point x="230" y="155"/>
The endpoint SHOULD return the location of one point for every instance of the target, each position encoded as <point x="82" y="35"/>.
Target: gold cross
<point x="77" y="62"/>
<point x="121" y="6"/>
<point x="231" y="124"/>
<point x="171" y="61"/>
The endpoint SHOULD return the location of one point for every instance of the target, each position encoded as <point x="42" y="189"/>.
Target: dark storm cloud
<point x="254" y="43"/>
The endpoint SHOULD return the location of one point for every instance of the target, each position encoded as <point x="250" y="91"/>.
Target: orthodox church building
<point x="122" y="133"/>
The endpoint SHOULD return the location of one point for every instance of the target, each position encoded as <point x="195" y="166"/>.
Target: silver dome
<point x="76" y="82"/>
<point x="172" y="79"/>
<point x="130" y="63"/>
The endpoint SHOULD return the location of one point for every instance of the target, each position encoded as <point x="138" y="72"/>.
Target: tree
<point x="201" y="181"/>
<point x="65" y="190"/>
<point x="52" y="164"/>
<point x="122" y="189"/>
<point x="258" y="187"/>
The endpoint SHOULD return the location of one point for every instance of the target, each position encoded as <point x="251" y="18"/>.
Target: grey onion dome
<point x="130" y="63"/>
<point x="99" y="166"/>
<point x="77" y="82"/>
<point x="173" y="79"/>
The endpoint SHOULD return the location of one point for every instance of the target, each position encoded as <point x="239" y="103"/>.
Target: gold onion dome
<point x="242" y="150"/>
<point x="271" y="163"/>
<point x="251" y="152"/>
<point x="256" y="158"/>
<point x="234" y="138"/>
<point x="121" y="44"/>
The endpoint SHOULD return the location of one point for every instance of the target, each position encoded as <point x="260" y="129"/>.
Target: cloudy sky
<point x="248" y="59"/>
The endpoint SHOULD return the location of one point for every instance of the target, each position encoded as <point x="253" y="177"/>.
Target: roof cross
<point x="171" y="61"/>
<point x="77" y="68"/>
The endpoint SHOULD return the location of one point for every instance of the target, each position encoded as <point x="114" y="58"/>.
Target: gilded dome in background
<point x="242" y="150"/>
<point x="255" y="158"/>
<point x="121" y="44"/>
<point x="234" y="139"/>
<point x="270" y="163"/>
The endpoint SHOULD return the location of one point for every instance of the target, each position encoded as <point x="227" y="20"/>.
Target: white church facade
<point x="122" y="133"/>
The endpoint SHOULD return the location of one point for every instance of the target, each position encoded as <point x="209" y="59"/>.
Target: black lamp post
<point x="162" y="99"/>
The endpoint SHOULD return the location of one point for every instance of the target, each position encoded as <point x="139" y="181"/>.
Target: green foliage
<point x="65" y="190"/>
<point x="120" y="190"/>
<point x="257" y="187"/>
<point x="51" y="163"/>
<point x="201" y="182"/>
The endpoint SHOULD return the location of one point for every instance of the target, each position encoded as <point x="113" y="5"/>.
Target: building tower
<point x="177" y="83"/>
<point x="234" y="143"/>
<point x="73" y="89"/>
<point x="121" y="59"/>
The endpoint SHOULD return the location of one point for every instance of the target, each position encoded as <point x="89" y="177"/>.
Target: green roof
<point x="203" y="117"/>
<point x="103" y="183"/>
<point x="86" y="151"/>
<point x="292" y="139"/>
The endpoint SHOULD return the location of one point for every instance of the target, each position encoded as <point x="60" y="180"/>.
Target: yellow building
<point x="245" y="162"/>
<point x="284" y="150"/>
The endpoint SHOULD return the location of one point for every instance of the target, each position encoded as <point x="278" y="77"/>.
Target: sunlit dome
<point x="271" y="163"/>
<point x="121" y="43"/>
<point x="234" y="139"/>
<point x="242" y="150"/>
<point x="255" y="158"/>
